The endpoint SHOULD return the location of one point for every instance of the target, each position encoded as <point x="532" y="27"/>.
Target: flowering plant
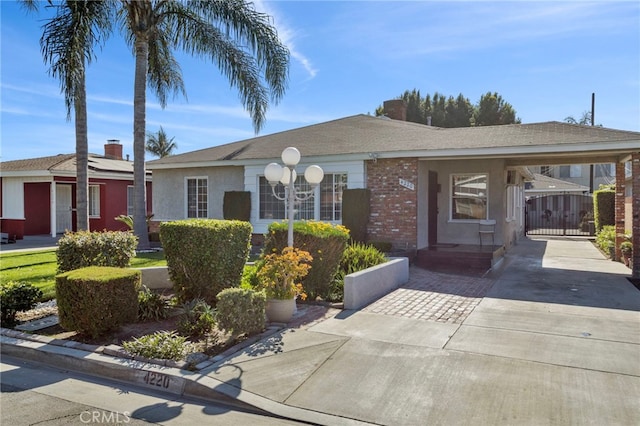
<point x="278" y="272"/>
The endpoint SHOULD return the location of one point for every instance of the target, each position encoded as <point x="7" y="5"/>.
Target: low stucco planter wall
<point x="156" y="277"/>
<point x="362" y="288"/>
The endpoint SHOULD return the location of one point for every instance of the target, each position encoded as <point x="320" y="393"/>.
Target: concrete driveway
<point x="553" y="338"/>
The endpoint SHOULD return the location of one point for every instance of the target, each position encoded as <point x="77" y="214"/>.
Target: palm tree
<point x="231" y="33"/>
<point x="67" y="44"/>
<point x="159" y="144"/>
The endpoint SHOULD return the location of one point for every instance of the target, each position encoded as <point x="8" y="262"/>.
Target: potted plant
<point x="279" y="274"/>
<point x="627" y="250"/>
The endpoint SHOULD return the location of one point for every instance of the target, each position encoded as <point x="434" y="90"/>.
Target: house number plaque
<point x="407" y="184"/>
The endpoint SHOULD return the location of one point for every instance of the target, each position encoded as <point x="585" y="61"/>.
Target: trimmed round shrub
<point x="604" y="210"/>
<point x="324" y="241"/>
<point x="205" y="256"/>
<point x="97" y="299"/>
<point x="85" y="248"/>
<point x="241" y="311"/>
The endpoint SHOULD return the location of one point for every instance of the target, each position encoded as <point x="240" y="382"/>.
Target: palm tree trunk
<point x="139" y="124"/>
<point x="82" y="157"/>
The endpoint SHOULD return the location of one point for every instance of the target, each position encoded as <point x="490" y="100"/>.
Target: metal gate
<point x="562" y="214"/>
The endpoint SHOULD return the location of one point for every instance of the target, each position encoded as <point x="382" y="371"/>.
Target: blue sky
<point x="545" y="58"/>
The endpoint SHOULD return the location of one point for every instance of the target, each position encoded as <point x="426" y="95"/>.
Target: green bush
<point x="97" y="299"/>
<point x="84" y="248"/>
<point x="606" y="238"/>
<point x="324" y="241"/>
<point x="604" y="208"/>
<point x="16" y="297"/>
<point x="205" y="256"/>
<point x="241" y="311"/>
<point x="197" y="318"/>
<point x="356" y="257"/>
<point x="249" y="279"/>
<point x="159" y="345"/>
<point x="151" y="306"/>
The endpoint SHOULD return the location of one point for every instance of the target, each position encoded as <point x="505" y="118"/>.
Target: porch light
<point x="287" y="175"/>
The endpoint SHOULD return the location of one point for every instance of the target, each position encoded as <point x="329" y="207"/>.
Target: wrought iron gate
<point x="562" y="214"/>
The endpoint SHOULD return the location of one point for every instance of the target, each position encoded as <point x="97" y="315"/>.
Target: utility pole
<point x="593" y="121"/>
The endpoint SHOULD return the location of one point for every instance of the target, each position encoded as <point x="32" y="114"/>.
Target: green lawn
<point x="39" y="268"/>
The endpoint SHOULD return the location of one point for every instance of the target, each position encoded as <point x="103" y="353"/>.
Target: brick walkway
<point x="433" y="296"/>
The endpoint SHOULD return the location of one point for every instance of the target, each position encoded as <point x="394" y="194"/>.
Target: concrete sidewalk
<point x="555" y="340"/>
<point x="551" y="338"/>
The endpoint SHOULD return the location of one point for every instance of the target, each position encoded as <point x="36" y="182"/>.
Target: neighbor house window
<point x="197" y="197"/>
<point x="572" y="171"/>
<point x="469" y="196"/>
<point x="546" y="171"/>
<point x="328" y="208"/>
<point x="94" y="200"/>
<point x="605" y="170"/>
<point x="130" y="195"/>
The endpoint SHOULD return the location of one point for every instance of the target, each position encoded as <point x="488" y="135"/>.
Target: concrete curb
<point x="160" y="375"/>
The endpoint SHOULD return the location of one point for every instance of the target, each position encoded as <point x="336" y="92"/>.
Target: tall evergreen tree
<point x="492" y="110"/>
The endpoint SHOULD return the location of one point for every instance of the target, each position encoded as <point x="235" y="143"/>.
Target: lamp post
<point x="286" y="175"/>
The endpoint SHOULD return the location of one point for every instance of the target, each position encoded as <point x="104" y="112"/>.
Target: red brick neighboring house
<point x="38" y="195"/>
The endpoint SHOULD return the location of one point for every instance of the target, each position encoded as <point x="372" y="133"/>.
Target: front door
<point x="432" y="209"/>
<point x="63" y="208"/>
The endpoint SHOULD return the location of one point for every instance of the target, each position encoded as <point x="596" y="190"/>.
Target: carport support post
<point x="635" y="212"/>
<point x="619" y="208"/>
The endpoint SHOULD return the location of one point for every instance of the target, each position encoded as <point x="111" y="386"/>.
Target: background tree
<point x="492" y="110"/>
<point x="67" y="44"/>
<point x="231" y="33"/>
<point x="159" y="144"/>
<point x="585" y="119"/>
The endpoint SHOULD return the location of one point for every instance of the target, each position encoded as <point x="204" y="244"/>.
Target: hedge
<point x="97" y="299"/>
<point x="205" y="256"/>
<point x="604" y="208"/>
<point x="326" y="244"/>
<point x="89" y="248"/>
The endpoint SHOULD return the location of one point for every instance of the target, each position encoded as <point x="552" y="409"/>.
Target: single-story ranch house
<point x="429" y="187"/>
<point x="38" y="195"/>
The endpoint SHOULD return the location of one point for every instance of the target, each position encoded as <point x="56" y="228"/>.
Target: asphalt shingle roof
<point x="66" y="163"/>
<point x="361" y="134"/>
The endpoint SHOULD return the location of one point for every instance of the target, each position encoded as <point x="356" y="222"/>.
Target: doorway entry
<point x="63" y="208"/>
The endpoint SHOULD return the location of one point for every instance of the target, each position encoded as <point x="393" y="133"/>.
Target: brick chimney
<point x="113" y="149"/>
<point x="395" y="109"/>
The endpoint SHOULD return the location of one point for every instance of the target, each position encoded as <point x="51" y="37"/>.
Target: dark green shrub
<point x="97" y="299"/>
<point x="236" y="205"/>
<point x="355" y="212"/>
<point x="84" y="248"/>
<point x="356" y="257"/>
<point x="16" y="297"/>
<point x="151" y="306"/>
<point x="197" y="318"/>
<point x="241" y="311"/>
<point x="324" y="241"/>
<point x="604" y="208"/>
<point x="383" y="246"/>
<point x="205" y="256"/>
<point x="159" y="345"/>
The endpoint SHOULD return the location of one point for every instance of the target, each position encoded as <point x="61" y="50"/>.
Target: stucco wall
<point x="169" y="190"/>
<point x="466" y="232"/>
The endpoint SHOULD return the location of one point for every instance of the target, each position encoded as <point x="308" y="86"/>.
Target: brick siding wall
<point x="393" y="216"/>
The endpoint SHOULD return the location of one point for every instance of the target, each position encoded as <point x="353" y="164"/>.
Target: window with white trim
<point x="94" y="200"/>
<point x="130" y="200"/>
<point x="329" y="207"/>
<point x="197" y="197"/>
<point x="469" y="196"/>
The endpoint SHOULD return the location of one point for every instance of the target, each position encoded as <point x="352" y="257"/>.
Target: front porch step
<point x="459" y="258"/>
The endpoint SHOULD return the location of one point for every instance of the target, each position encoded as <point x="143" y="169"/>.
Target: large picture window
<point x="94" y="200"/>
<point x="328" y="208"/>
<point x="197" y="198"/>
<point x="469" y="196"/>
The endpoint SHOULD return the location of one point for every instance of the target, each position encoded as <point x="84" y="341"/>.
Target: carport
<point x="591" y="145"/>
